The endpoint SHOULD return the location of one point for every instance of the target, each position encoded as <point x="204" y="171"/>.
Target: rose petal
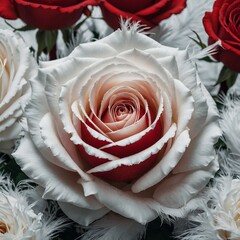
<point x="180" y="188"/>
<point x="59" y="184"/>
<point x="165" y="165"/>
<point x="82" y="216"/>
<point x="138" y="157"/>
<point x="61" y="156"/>
<point x="124" y="203"/>
<point x="200" y="152"/>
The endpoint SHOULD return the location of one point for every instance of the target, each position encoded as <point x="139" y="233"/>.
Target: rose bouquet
<point x="132" y="132"/>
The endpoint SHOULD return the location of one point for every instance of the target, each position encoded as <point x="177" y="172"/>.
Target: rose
<point x="122" y="124"/>
<point x="16" y="67"/>
<point x="222" y="24"/>
<point x="149" y="12"/>
<point x="44" y="14"/>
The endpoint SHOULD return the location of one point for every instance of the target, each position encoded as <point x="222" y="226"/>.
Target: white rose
<point x="16" y="67"/>
<point x="122" y="124"/>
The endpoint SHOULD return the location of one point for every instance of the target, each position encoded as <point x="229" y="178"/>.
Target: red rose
<point x="223" y="24"/>
<point x="149" y="12"/>
<point x="44" y="14"/>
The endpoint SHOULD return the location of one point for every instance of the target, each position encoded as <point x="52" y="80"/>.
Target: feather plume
<point x="128" y="25"/>
<point x="175" y="31"/>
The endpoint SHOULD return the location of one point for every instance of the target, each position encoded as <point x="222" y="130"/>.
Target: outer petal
<point x="200" y="151"/>
<point x="80" y="215"/>
<point x="180" y="188"/>
<point x="123" y="203"/>
<point x="59" y="184"/>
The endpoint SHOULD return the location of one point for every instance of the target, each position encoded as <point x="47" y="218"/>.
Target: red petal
<point x="49" y="17"/>
<point x="60" y="3"/>
<point x="122" y="173"/>
<point x="128" y="173"/>
<point x="131" y="6"/>
<point x="8" y="10"/>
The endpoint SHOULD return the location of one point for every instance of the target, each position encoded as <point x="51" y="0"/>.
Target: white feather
<point x="175" y="31"/>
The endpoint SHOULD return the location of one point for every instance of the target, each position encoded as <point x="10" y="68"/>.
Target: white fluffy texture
<point x="28" y="36"/>
<point x="114" y="227"/>
<point x="220" y="219"/>
<point x="16" y="67"/>
<point x="177" y="30"/>
<point x="61" y="93"/>
<point x="85" y="32"/>
<point x="18" y="219"/>
<point x="230" y="118"/>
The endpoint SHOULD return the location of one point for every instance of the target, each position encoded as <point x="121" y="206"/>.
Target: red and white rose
<point x="122" y="124"/>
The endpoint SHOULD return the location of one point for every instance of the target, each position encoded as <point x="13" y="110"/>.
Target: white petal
<point x="179" y="188"/>
<point x="82" y="216"/>
<point x="189" y="77"/>
<point x="61" y="156"/>
<point x="200" y="151"/>
<point x="123" y="203"/>
<point x="59" y="184"/>
<point x="165" y="165"/>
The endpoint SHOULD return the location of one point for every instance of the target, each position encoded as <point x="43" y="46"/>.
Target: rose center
<point x="121" y="110"/>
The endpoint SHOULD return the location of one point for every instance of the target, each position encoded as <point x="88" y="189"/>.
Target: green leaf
<point x="207" y="59"/>
<point x="228" y="76"/>
<point x="67" y="35"/>
<point x="46" y="40"/>
<point x="50" y="39"/>
<point x="24" y="28"/>
<point x="40" y="37"/>
<point x="198" y="41"/>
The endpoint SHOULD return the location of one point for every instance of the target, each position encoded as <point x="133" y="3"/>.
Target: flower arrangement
<point x="119" y="119"/>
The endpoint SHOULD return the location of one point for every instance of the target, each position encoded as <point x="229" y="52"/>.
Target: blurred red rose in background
<point x="223" y="24"/>
<point x="44" y="14"/>
<point x="149" y="12"/>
